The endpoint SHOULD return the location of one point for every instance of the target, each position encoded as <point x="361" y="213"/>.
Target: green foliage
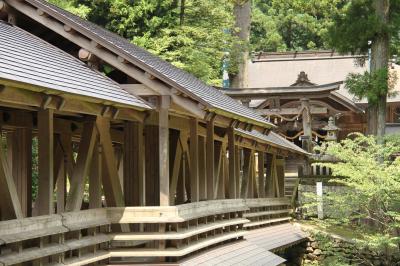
<point x="371" y="85"/>
<point x="71" y="6"/>
<point x="356" y="24"/>
<point x="196" y="44"/>
<point x="280" y="25"/>
<point x="372" y="174"/>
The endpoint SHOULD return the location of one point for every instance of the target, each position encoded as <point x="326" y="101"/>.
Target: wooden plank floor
<point x="239" y="253"/>
<point x="276" y="237"/>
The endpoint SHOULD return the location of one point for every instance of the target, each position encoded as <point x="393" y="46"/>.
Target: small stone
<point x="309" y="250"/>
<point x="314" y="245"/>
<point x="311" y="256"/>
<point x="317" y="252"/>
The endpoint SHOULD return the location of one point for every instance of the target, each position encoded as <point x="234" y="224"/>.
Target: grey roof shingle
<point x="274" y="139"/>
<point x="163" y="70"/>
<point x="29" y="59"/>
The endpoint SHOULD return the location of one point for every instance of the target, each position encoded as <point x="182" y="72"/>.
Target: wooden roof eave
<point x="346" y="102"/>
<point x="119" y="56"/>
<point x="32" y="95"/>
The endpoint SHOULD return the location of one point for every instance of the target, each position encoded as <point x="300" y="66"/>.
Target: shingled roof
<point x="274" y="139"/>
<point x="28" y="59"/>
<point x="213" y="99"/>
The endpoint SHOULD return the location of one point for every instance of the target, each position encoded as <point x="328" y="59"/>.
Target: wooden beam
<point x="269" y="186"/>
<point x="210" y="159"/>
<point x="44" y="201"/>
<point x="9" y="204"/>
<point x="232" y="163"/>
<point x="218" y="152"/>
<point x="59" y="174"/>
<point x="237" y="170"/>
<point x="194" y="160"/>
<point x="293" y="111"/>
<point x="82" y="167"/>
<point x="246" y="172"/>
<point x="111" y="183"/>
<point x="134" y="176"/>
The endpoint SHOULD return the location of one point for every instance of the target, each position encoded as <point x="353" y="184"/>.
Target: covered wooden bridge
<point x="110" y="155"/>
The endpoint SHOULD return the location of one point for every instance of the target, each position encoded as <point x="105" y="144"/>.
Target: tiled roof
<point x="28" y="59"/>
<point x="175" y="77"/>
<point x="273" y="139"/>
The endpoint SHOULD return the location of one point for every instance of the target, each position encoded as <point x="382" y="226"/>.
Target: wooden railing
<point x="132" y="233"/>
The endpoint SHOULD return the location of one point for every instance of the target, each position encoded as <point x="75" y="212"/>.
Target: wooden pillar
<point x="202" y="169"/>
<point x="157" y="154"/>
<point x="210" y="159"/>
<point x="59" y="174"/>
<point x="22" y="165"/>
<point x="218" y="150"/>
<point x="280" y="176"/>
<point x="194" y="159"/>
<point x="307" y="127"/>
<point x="232" y="163"/>
<point x="44" y="201"/>
<point x="246" y="172"/>
<point x="269" y="182"/>
<point x="261" y="174"/>
<point x="10" y="206"/>
<point x="237" y="170"/>
<point x="134" y="182"/>
<point x="175" y="164"/>
<point x="95" y="177"/>
<point x="251" y="176"/>
<point x="82" y="167"/>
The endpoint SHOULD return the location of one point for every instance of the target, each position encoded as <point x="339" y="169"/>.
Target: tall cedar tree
<point x="361" y="22"/>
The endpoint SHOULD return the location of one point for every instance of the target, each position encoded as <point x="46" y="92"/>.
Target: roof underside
<point x="28" y="59"/>
<point x="274" y="139"/>
<point x="175" y="77"/>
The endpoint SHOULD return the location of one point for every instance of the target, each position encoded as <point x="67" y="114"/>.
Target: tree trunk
<point x="242" y="12"/>
<point x="379" y="60"/>
<point x="182" y="13"/>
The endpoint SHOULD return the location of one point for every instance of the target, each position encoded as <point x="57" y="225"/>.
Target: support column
<point x="269" y="186"/>
<point x="202" y="169"/>
<point x="261" y="174"/>
<point x="157" y="154"/>
<point x="246" y="172"/>
<point x="22" y="165"/>
<point x="307" y="127"/>
<point x="95" y="177"/>
<point x="44" y="201"/>
<point x="210" y="159"/>
<point x="232" y="163"/>
<point x="280" y="176"/>
<point x="194" y="159"/>
<point x="134" y="181"/>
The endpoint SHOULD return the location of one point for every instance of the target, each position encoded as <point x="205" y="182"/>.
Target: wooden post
<point x="210" y="159"/>
<point x="176" y="165"/>
<point x="194" y="159"/>
<point x="22" y="164"/>
<point x="218" y="167"/>
<point x="9" y="204"/>
<point x="232" y="163"/>
<point x="82" y="167"/>
<point x="134" y="164"/>
<point x="157" y="154"/>
<point x="44" y="201"/>
<point x="246" y="172"/>
<point x="95" y="177"/>
<point x="237" y="171"/>
<point x="202" y="169"/>
<point x="280" y="176"/>
<point x="269" y="186"/>
<point x="59" y="174"/>
<point x="261" y="174"/>
<point x="307" y="127"/>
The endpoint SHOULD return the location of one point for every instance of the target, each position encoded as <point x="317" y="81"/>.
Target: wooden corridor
<point x="145" y="164"/>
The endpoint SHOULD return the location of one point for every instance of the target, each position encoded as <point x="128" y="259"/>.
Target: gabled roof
<point x="28" y="59"/>
<point x="213" y="99"/>
<point x="274" y="139"/>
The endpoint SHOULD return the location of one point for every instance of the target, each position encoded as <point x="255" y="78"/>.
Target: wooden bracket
<point x="46" y="101"/>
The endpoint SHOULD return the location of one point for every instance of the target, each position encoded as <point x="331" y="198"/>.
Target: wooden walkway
<point x="239" y="253"/>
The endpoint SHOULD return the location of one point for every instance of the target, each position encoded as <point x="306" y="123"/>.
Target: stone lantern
<point x="331" y="130"/>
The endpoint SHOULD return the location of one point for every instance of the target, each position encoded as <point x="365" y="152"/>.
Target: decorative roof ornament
<point x="302" y="80"/>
